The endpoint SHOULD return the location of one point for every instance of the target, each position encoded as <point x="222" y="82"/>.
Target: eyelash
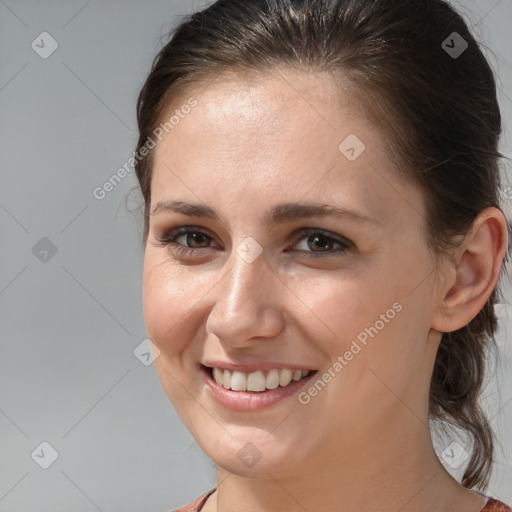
<point x="168" y="241"/>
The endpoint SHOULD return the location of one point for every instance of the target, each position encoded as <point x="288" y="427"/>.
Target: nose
<point x="247" y="303"/>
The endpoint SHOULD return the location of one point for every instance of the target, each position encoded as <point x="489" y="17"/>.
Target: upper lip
<point x="249" y="368"/>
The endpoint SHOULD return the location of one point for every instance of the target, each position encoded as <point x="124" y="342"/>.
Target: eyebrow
<point x="280" y="213"/>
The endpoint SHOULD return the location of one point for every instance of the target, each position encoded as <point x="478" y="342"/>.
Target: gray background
<point x="70" y="321"/>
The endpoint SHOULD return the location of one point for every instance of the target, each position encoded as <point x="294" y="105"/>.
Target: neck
<point x="400" y="474"/>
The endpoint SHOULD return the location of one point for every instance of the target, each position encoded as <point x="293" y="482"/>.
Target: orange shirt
<point x="492" y="505"/>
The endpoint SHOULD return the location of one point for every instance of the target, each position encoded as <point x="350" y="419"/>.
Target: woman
<point x="323" y="244"/>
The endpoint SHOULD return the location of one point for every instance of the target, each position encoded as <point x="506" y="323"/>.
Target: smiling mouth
<point x="258" y="381"/>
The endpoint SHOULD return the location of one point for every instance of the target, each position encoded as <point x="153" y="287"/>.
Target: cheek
<point x="171" y="296"/>
<point x="340" y="307"/>
<point x="378" y="315"/>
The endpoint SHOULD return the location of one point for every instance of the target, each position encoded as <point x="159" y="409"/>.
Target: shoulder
<point x="198" y="504"/>
<point x="494" y="505"/>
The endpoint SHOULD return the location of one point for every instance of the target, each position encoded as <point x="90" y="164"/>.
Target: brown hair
<point x="438" y="111"/>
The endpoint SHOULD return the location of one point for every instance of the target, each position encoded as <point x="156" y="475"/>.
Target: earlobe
<point x="474" y="272"/>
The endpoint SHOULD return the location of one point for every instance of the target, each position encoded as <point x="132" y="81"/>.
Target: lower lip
<point x="251" y="400"/>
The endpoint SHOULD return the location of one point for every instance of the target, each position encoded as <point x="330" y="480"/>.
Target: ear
<point x="474" y="272"/>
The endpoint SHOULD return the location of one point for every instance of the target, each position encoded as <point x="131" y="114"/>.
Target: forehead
<point x="285" y="135"/>
<point x="268" y="115"/>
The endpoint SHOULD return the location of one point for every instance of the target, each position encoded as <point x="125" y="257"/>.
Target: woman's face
<point x="258" y="290"/>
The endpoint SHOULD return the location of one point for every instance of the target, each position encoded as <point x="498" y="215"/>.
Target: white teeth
<point x="272" y="381"/>
<point x="226" y="380"/>
<point x="238" y="381"/>
<point x="256" y="381"/>
<point x="217" y="375"/>
<point x="285" y="377"/>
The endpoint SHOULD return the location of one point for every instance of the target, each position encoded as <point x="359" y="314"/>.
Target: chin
<point x="250" y="458"/>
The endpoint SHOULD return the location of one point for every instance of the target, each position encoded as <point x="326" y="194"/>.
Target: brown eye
<point x="321" y="243"/>
<point x="193" y="237"/>
<point x="192" y="240"/>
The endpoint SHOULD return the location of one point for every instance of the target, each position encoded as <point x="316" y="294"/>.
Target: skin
<point x="362" y="443"/>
